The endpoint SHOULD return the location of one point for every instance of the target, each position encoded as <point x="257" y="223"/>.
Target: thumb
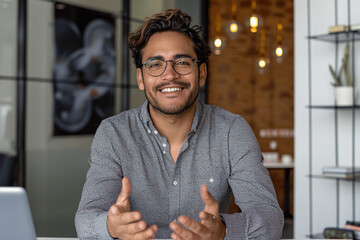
<point x="123" y="198"/>
<point x="211" y="205"/>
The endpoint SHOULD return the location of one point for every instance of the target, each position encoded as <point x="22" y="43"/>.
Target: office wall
<point x="322" y="14"/>
<point x="8" y="24"/>
<point x="57" y="166"/>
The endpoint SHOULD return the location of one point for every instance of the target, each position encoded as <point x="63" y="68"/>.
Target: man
<point x="170" y="167"/>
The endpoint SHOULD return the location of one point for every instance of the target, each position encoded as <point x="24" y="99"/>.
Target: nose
<point x="170" y="72"/>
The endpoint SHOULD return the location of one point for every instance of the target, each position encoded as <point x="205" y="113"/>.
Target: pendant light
<point x="255" y="20"/>
<point x="279" y="51"/>
<point x="262" y="62"/>
<point x="217" y="44"/>
<point x="233" y="27"/>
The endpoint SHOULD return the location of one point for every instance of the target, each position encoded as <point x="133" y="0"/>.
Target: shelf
<point x="319" y="176"/>
<point x="332" y="107"/>
<point x="316" y="236"/>
<point x="337" y="37"/>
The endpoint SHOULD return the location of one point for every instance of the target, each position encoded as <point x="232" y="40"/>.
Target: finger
<point x="148" y="233"/>
<point x="211" y="205"/>
<point x="122" y="218"/>
<point x="208" y="219"/>
<point x="176" y="236"/>
<point x="193" y="227"/>
<point x="125" y="191"/>
<point x="180" y="232"/>
<point x="133" y="228"/>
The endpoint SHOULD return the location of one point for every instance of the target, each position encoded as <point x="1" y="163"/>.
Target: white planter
<point x="344" y="96"/>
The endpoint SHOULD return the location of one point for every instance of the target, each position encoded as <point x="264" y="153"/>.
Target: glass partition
<point x="8" y="39"/>
<point x="71" y="85"/>
<point x="67" y="85"/>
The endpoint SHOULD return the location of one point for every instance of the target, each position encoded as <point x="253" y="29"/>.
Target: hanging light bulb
<point x="279" y="51"/>
<point x="233" y="27"/>
<point x="217" y="43"/>
<point x="262" y="62"/>
<point x="255" y="20"/>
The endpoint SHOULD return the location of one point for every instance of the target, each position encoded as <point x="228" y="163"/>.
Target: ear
<point x="140" y="80"/>
<point x="203" y="74"/>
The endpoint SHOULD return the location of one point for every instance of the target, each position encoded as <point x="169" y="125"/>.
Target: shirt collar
<point x="145" y="115"/>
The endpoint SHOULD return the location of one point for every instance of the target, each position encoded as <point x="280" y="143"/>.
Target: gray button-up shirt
<point x="220" y="151"/>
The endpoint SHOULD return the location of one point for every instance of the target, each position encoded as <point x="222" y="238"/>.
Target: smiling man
<point x="169" y="168"/>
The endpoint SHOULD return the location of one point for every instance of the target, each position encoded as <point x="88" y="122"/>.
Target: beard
<point x="173" y="109"/>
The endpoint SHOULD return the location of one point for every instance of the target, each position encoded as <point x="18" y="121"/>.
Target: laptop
<point x="15" y="216"/>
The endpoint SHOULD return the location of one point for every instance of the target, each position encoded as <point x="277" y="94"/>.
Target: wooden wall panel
<point x="265" y="100"/>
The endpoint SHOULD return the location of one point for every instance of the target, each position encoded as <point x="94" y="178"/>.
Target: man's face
<point x="170" y="93"/>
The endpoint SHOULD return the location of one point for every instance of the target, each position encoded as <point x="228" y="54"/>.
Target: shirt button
<point x="211" y="180"/>
<point x="174" y="183"/>
<point x="164" y="152"/>
<point x="149" y="131"/>
<point x="164" y="145"/>
<point x="156" y="132"/>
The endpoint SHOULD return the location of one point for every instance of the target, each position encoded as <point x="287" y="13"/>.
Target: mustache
<point x="182" y="84"/>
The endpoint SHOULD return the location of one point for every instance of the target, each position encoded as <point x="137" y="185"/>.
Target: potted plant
<point x="343" y="84"/>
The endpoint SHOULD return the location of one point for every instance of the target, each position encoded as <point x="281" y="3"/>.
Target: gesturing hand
<point x="210" y="228"/>
<point x="122" y="223"/>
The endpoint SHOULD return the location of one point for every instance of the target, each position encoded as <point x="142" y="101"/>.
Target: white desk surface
<point x="45" y="238"/>
<point x="57" y="238"/>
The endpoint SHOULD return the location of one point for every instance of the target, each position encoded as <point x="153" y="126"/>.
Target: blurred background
<point x="65" y="66"/>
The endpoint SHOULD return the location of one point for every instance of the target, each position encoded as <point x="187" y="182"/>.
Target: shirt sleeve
<point x="102" y="187"/>
<point x="260" y="216"/>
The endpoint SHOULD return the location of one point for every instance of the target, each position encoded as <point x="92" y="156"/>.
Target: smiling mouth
<point x="164" y="90"/>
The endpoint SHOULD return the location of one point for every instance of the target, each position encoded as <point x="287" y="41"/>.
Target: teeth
<point x="171" y="89"/>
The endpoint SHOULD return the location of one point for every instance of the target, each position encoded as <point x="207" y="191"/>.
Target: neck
<point x="173" y="126"/>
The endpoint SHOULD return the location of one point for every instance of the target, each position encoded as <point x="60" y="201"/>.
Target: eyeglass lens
<point x="182" y="65"/>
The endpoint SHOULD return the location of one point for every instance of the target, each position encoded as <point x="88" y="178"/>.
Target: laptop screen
<point x="15" y="216"/>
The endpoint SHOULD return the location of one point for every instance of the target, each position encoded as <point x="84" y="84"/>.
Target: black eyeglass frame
<point x="172" y="64"/>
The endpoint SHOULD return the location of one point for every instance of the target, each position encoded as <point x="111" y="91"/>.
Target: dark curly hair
<point x="168" y="20"/>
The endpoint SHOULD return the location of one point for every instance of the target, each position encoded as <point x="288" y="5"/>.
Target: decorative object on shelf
<point x="355" y="27"/>
<point x="286" y="158"/>
<point x="355" y="226"/>
<point x="338" y="233"/>
<point x="344" y="92"/>
<point x="217" y="44"/>
<point x="262" y="62"/>
<point x="255" y="20"/>
<point x="338" y="28"/>
<point x="279" y="51"/>
<point x="233" y="27"/>
<point x="341" y="172"/>
<point x="270" y="157"/>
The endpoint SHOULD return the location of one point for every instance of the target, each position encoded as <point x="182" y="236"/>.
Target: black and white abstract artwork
<point x="84" y="69"/>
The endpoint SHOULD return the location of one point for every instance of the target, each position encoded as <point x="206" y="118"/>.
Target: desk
<point x="45" y="238"/>
<point x="53" y="238"/>
<point x="287" y="167"/>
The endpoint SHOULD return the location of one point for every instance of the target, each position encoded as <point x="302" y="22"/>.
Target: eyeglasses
<point x="182" y="65"/>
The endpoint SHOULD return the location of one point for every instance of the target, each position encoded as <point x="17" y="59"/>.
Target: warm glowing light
<point x="253" y="30"/>
<point x="254" y="21"/>
<point x="218" y="42"/>
<point x="234" y="28"/>
<point x="217" y="52"/>
<point x="279" y="51"/>
<point x="262" y="63"/>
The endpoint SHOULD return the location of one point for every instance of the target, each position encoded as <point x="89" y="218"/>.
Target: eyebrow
<point x="158" y="57"/>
